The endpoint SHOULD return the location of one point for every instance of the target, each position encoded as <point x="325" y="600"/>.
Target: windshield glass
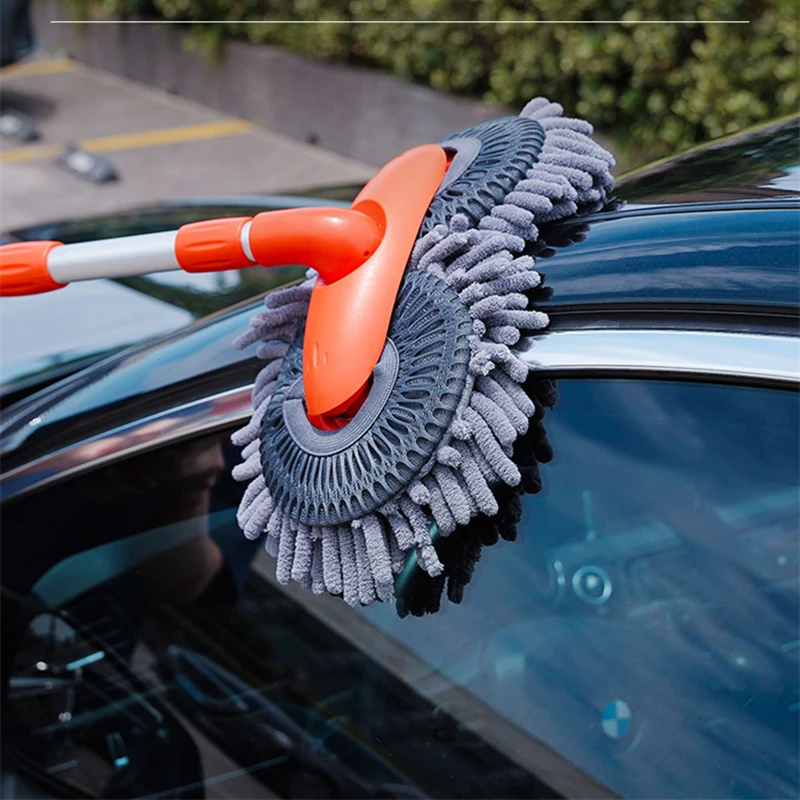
<point x="758" y="163"/>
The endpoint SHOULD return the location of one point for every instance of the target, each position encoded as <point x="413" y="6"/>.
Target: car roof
<point x="670" y="256"/>
<point x="706" y="265"/>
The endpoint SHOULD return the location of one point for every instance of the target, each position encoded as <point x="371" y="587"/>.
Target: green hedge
<point x="654" y="88"/>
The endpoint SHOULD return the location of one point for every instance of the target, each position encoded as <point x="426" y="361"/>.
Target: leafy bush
<point x="654" y="88"/>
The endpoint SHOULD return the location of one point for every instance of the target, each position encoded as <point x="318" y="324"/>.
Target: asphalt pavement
<point x="161" y="146"/>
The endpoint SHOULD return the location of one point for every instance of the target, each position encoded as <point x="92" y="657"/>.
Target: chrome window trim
<point x="191" y="419"/>
<point x="712" y="354"/>
<point x="699" y="355"/>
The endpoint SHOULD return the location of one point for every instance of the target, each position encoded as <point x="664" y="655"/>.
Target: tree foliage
<point x="655" y="88"/>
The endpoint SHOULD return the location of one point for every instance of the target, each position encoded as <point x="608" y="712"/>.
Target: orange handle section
<point x="348" y="317"/>
<point x="332" y="241"/>
<point x="23" y="269"/>
<point x="212" y="246"/>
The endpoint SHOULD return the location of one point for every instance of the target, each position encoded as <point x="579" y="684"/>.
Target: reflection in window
<point x="660" y="652"/>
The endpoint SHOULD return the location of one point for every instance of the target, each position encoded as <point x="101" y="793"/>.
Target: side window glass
<point x="645" y="622"/>
<point x="627" y="624"/>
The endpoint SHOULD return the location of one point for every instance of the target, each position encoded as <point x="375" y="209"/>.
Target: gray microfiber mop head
<point x="434" y="440"/>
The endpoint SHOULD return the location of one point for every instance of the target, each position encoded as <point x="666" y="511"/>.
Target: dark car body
<point x="628" y="625"/>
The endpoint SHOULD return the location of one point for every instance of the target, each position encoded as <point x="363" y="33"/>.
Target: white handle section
<point x="113" y="258"/>
<point x="244" y="239"/>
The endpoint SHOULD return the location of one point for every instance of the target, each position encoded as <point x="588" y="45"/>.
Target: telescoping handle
<point x="359" y="253"/>
<point x="333" y="241"/>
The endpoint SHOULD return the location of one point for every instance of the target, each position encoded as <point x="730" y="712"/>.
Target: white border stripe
<point x="400" y="22"/>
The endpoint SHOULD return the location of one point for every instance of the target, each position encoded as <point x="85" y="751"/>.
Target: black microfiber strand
<point x="361" y="534"/>
<point x="421" y="594"/>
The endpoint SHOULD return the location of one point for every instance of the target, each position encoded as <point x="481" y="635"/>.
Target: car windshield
<point x="726" y="170"/>
<point x="628" y="624"/>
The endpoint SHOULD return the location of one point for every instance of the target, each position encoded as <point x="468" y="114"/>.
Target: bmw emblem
<point x="616" y="719"/>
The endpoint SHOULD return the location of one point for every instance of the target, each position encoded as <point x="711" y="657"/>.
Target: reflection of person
<point x="164" y="488"/>
<point x="105" y="548"/>
<point x="142" y="524"/>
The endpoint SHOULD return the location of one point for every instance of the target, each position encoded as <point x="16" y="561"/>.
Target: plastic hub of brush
<point x="318" y="442"/>
<point x="461" y="154"/>
<point x="340" y="417"/>
<point x="331" y="477"/>
<point x="486" y="162"/>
